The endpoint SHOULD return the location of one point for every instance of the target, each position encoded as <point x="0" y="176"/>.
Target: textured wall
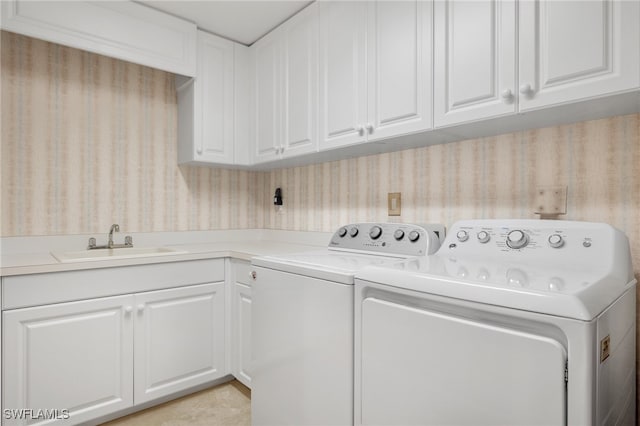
<point x="88" y="141"/>
<point x="494" y="177"/>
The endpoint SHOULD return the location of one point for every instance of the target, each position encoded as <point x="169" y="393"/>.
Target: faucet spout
<point x="114" y="228"/>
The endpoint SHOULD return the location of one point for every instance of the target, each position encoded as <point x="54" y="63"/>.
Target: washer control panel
<point x="389" y="238"/>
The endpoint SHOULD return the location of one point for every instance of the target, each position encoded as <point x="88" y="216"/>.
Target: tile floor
<point x="228" y="404"/>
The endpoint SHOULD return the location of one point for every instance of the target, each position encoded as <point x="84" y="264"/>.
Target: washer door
<point x="425" y="368"/>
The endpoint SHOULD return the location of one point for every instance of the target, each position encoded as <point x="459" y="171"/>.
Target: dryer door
<point x="420" y="367"/>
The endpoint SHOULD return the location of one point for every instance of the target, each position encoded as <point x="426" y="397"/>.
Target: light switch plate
<point x="394" y="203"/>
<point x="551" y="200"/>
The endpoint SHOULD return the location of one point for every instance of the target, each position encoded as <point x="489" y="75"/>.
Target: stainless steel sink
<point x="114" y="253"/>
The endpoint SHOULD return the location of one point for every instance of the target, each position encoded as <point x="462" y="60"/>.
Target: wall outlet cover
<point x="394" y="203"/>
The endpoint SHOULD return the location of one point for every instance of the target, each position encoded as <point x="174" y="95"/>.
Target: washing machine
<point x="302" y="321"/>
<point x="511" y="322"/>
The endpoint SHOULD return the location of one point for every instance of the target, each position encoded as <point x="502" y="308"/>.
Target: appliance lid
<point x="563" y="268"/>
<point x="337" y="266"/>
<point x="559" y="291"/>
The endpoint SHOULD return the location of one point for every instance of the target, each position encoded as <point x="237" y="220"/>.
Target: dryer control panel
<point x="389" y="238"/>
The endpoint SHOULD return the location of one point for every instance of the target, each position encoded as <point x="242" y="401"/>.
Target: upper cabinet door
<point x="300" y="67"/>
<point x="399" y="67"/>
<point x="206" y="105"/>
<point x="572" y="50"/>
<point x="215" y="75"/>
<point x="343" y="85"/>
<point x="268" y="88"/>
<point x="475" y="59"/>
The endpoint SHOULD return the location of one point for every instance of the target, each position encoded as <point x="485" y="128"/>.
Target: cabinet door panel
<point x="76" y="356"/>
<point x="399" y="67"/>
<point x="268" y="86"/>
<point x="180" y="337"/>
<point x="301" y="80"/>
<point x="576" y="50"/>
<point x="343" y="98"/>
<point x="215" y="70"/>
<point x="242" y="334"/>
<point x="474" y="60"/>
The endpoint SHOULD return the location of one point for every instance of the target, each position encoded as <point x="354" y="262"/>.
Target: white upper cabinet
<point x="300" y="68"/>
<point x="567" y="51"/>
<point x="268" y="88"/>
<point x="206" y="105"/>
<point x="572" y="50"/>
<point x="286" y="73"/>
<point x="475" y="60"/>
<point x="399" y="58"/>
<point x="119" y="29"/>
<point x="375" y="70"/>
<point x="343" y="84"/>
<point x="211" y="105"/>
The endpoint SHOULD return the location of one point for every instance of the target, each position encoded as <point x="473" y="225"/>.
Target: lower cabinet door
<point x="241" y="339"/>
<point x="179" y="335"/>
<point x="69" y="361"/>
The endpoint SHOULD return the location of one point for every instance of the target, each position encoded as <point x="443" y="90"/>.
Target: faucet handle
<point x="92" y="242"/>
<point x="128" y="241"/>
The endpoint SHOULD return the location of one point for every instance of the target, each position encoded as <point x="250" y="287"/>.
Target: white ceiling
<point x="244" y="21"/>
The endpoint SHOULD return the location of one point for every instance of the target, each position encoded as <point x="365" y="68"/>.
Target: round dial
<point x="414" y="236"/>
<point x="484" y="237"/>
<point x="375" y="232"/>
<point x="556" y="240"/>
<point x="342" y="232"/>
<point x="462" y="236"/>
<point x="353" y="232"/>
<point x="517" y="239"/>
<point x="399" y="234"/>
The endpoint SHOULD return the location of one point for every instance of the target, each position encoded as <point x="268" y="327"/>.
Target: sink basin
<point x="115" y="253"/>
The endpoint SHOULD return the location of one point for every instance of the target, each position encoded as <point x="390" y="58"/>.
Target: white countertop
<point x="32" y="255"/>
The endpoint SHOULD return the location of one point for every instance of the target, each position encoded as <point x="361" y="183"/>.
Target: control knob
<point x="517" y="239"/>
<point x="353" y="232"/>
<point x="414" y="236"/>
<point x="342" y="232"/>
<point x="556" y="240"/>
<point x="483" y="237"/>
<point x="399" y="234"/>
<point x="375" y="232"/>
<point x="462" y="236"/>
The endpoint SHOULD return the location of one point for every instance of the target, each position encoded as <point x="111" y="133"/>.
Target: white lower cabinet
<point x="179" y="335"/>
<point x="241" y="320"/>
<point x="98" y="356"/>
<point x="74" y="356"/>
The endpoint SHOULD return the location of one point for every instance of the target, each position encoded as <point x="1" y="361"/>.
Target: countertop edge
<point x="241" y="250"/>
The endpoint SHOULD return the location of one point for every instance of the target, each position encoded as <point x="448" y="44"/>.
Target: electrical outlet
<point x="394" y="203"/>
<point x="551" y="200"/>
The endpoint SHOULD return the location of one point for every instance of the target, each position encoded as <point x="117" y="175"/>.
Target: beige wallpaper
<point x="88" y="141"/>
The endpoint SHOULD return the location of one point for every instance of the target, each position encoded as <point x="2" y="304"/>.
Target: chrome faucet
<point x="128" y="240"/>
<point x="114" y="228"/>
